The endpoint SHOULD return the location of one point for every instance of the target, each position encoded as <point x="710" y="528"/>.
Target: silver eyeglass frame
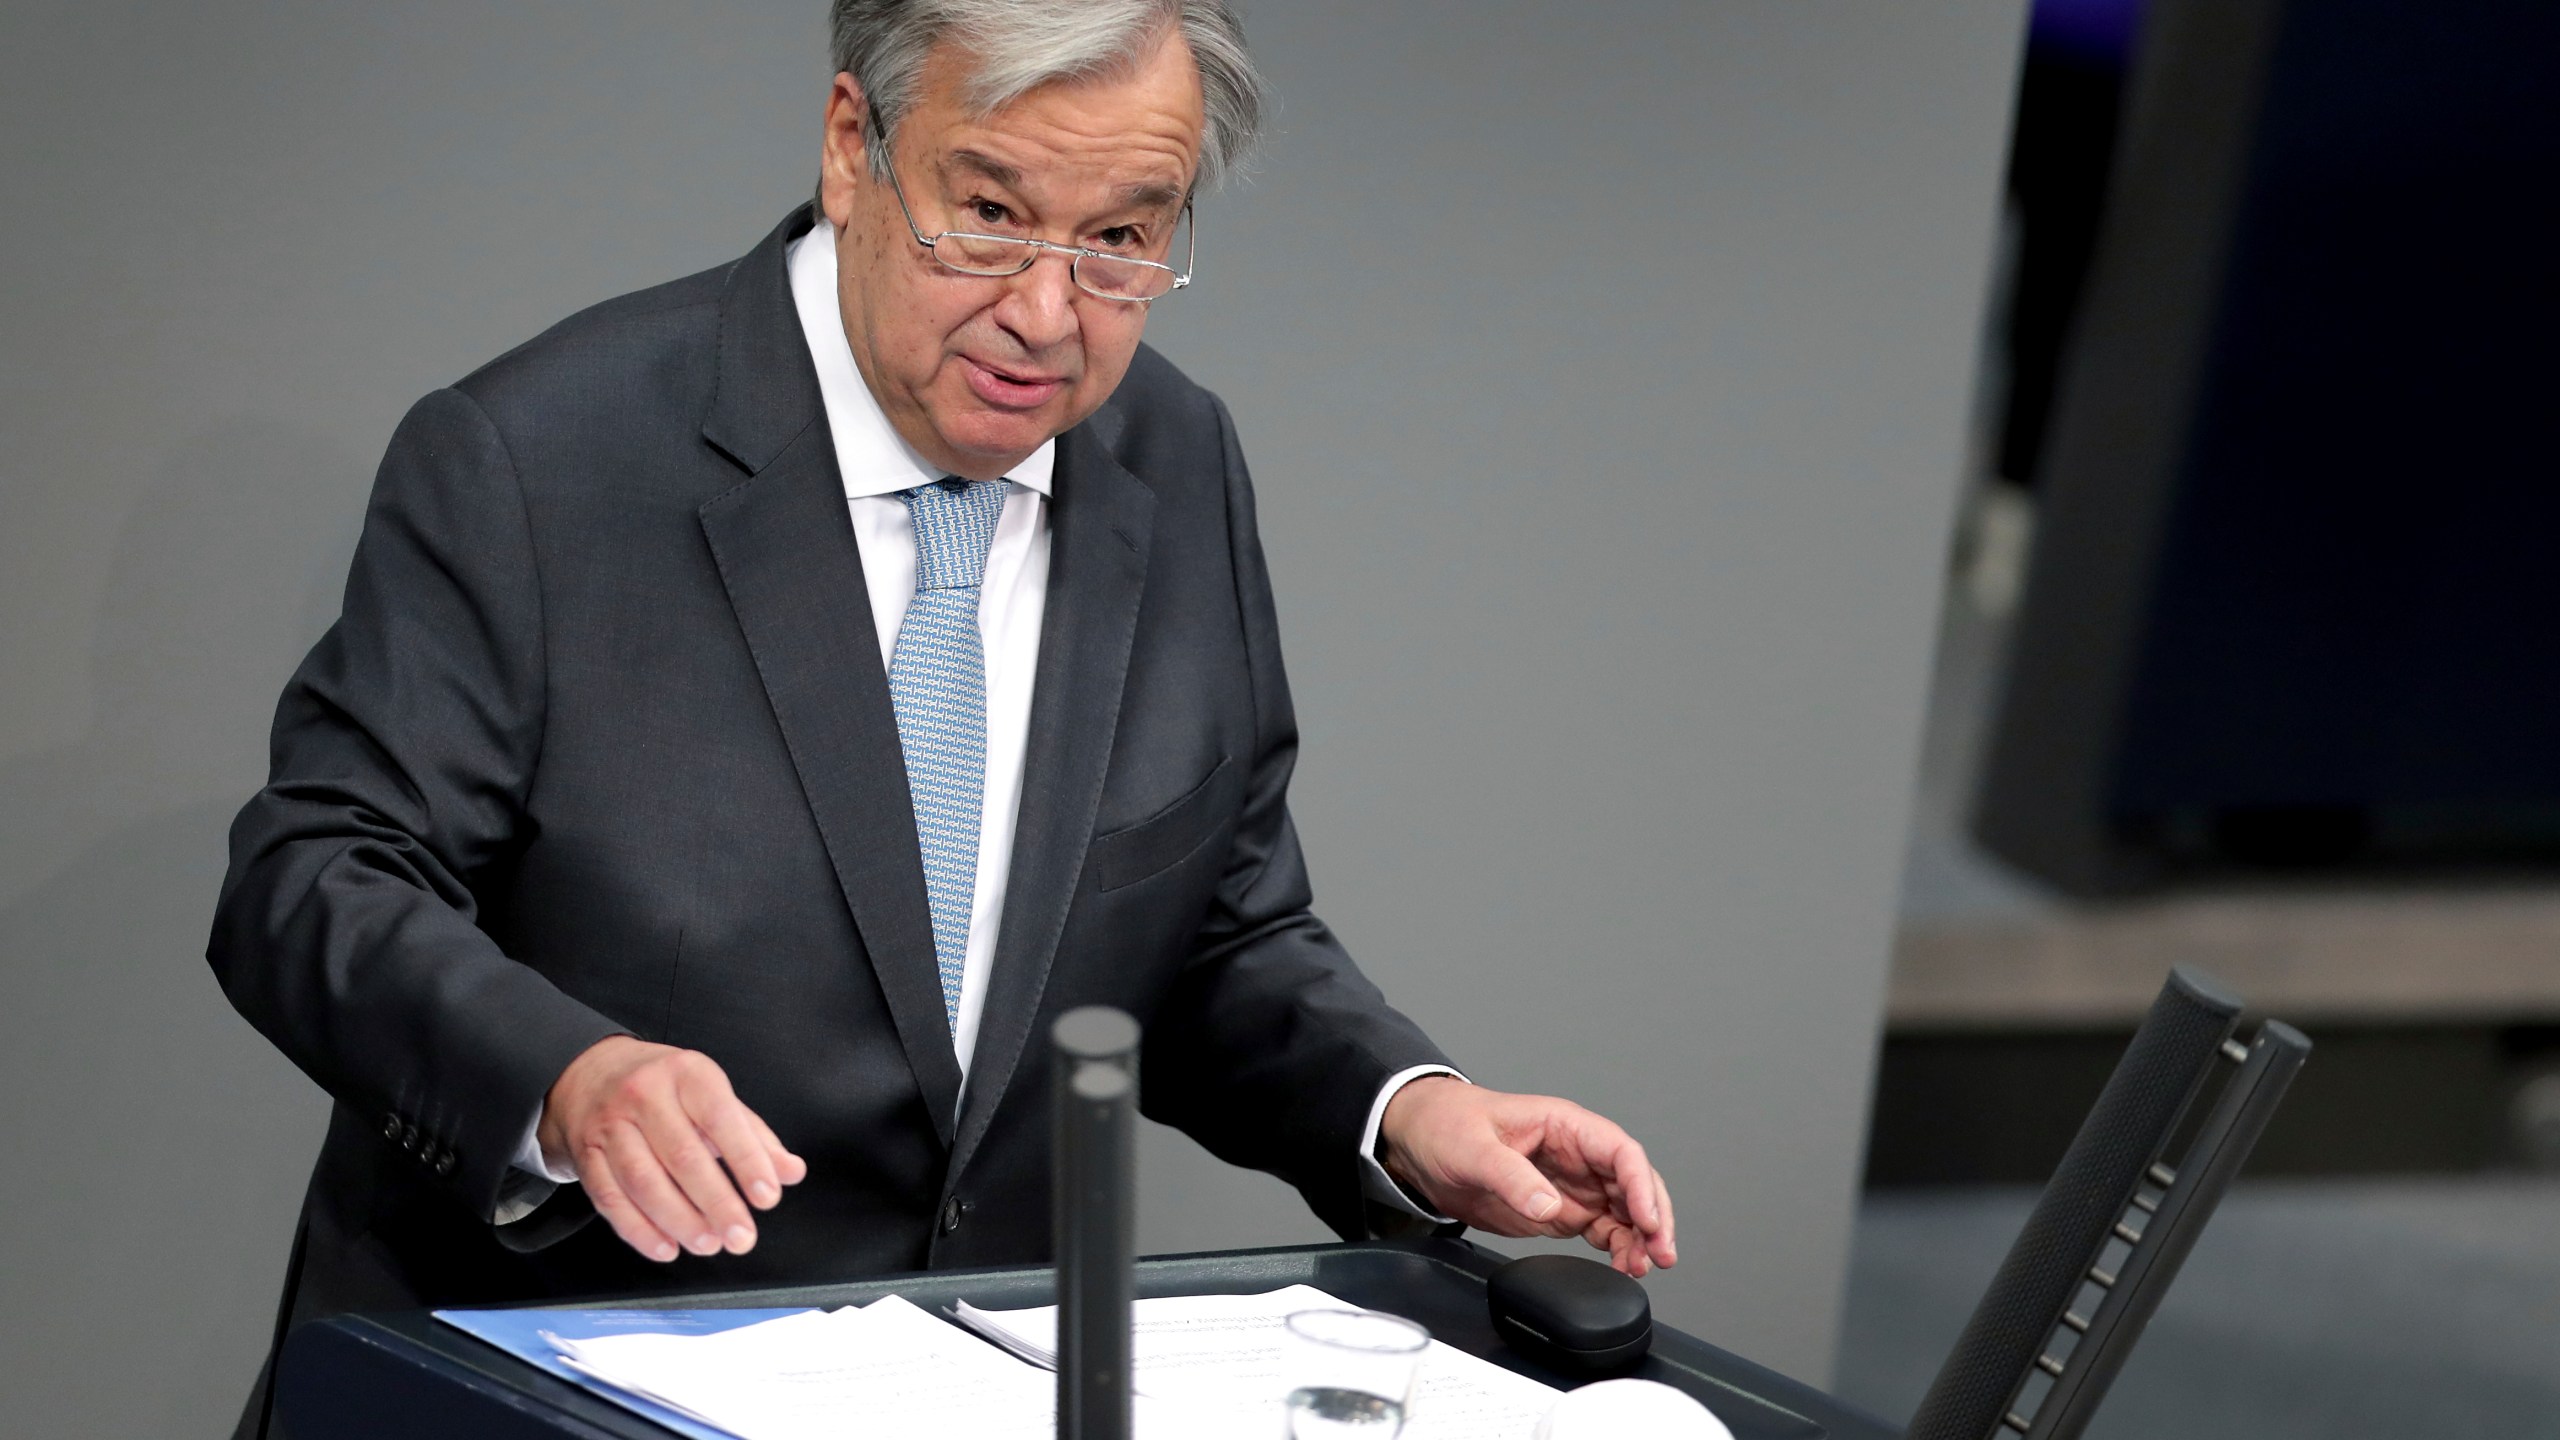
<point x="1032" y="249"/>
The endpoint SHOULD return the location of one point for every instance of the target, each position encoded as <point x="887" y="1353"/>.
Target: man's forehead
<point x="1136" y="130"/>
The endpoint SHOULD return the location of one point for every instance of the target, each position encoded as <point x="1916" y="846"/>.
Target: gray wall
<point x="1604" y="366"/>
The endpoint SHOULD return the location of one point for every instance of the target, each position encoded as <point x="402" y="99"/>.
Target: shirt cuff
<point x="1375" y="1182"/>
<point x="530" y="1179"/>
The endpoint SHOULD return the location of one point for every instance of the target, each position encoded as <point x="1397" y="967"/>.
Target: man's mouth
<point x="1010" y="389"/>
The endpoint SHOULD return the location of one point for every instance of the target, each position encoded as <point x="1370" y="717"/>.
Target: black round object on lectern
<point x="1576" y="1315"/>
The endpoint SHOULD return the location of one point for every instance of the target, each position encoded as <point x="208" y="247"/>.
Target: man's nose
<point x="1039" y="305"/>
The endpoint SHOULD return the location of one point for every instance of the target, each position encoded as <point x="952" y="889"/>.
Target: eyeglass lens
<point x="1104" y="275"/>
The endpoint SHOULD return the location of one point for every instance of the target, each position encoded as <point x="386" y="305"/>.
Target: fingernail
<point x="765" y="1193"/>
<point x="705" y="1243"/>
<point x="662" y="1253"/>
<point x="740" y="1239"/>
<point x="1542" y="1205"/>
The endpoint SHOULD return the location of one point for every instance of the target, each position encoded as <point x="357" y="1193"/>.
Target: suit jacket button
<point x="444" y="1164"/>
<point x="951" y="1214"/>
<point x="391" y="1128"/>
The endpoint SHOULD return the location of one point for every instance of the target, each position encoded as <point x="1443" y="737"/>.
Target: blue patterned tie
<point x="938" y="686"/>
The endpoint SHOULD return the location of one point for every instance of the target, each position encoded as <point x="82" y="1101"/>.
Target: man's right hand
<point x="648" y="1128"/>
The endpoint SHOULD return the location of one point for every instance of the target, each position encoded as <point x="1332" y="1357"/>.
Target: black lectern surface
<point x="405" y="1376"/>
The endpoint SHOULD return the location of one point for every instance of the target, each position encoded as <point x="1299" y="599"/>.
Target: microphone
<point x="1093" y="1194"/>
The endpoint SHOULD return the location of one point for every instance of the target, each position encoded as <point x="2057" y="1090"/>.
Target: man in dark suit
<point x="763" y="702"/>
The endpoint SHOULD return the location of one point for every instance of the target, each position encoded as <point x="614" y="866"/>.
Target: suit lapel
<point x="1101" y="518"/>
<point x="784" y="545"/>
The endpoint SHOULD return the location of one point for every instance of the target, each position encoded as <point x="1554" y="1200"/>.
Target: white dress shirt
<point x="876" y="464"/>
<point x="1012" y="595"/>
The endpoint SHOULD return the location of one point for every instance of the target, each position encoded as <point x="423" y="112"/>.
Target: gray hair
<point x="1020" y="45"/>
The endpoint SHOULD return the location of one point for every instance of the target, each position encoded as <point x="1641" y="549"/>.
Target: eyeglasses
<point x="1096" y="272"/>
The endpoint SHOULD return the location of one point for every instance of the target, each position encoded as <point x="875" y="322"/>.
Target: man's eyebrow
<point x="1152" y="195"/>
<point x="1140" y="194"/>
<point x="989" y="166"/>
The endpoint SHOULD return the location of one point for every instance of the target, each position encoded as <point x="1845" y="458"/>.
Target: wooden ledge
<point x="2390" y="957"/>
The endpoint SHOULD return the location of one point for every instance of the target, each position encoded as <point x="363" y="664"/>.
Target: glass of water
<point x="1350" y="1373"/>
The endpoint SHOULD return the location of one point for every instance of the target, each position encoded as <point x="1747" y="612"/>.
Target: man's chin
<point x="988" y="443"/>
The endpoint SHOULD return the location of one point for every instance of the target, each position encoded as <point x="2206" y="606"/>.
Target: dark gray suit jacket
<point x="602" y="743"/>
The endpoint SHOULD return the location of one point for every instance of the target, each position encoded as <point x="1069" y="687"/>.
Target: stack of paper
<point x="890" y="1366"/>
<point x="1206" y="1366"/>
<point x="1222" y="1359"/>
<point x="534" y="1337"/>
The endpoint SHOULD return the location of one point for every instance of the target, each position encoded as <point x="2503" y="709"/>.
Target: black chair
<point x="2122" y="1211"/>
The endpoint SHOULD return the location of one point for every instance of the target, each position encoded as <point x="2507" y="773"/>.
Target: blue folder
<point x="522" y="1333"/>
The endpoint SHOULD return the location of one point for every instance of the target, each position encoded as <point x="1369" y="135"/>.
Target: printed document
<point x="887" y="1369"/>
<point x="1224" y="1354"/>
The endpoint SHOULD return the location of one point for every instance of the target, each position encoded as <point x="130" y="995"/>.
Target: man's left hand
<point x="1529" y="1165"/>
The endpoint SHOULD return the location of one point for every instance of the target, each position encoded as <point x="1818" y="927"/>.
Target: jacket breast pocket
<point x="1134" y="852"/>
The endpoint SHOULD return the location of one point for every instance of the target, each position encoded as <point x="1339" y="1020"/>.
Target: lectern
<point x="2163" y="1142"/>
<point x="404" y="1376"/>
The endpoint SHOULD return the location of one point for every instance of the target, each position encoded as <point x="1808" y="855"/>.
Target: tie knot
<point x="955" y="523"/>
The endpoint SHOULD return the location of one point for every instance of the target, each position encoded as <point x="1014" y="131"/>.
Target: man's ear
<point x="844" y="166"/>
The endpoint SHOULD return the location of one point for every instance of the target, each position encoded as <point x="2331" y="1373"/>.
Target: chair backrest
<point x="2320" y="306"/>
<point x="2111" y="1228"/>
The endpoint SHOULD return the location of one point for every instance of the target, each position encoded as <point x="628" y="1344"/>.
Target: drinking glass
<point x="1350" y="1373"/>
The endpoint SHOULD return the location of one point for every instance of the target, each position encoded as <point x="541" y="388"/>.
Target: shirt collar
<point x="873" y="457"/>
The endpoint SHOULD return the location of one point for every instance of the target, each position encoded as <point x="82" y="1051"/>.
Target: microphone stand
<point x="1094" y="1076"/>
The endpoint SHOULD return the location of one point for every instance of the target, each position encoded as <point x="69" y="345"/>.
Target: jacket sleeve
<point x="1273" y="1045"/>
<point x="403" y="752"/>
